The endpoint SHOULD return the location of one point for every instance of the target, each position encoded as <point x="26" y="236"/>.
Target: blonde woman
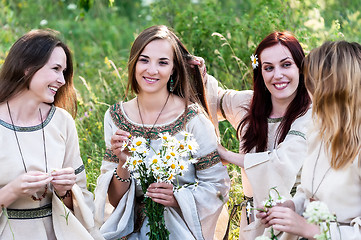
<point x="331" y="172"/>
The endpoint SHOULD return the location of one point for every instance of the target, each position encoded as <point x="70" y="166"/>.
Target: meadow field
<point x="225" y="33"/>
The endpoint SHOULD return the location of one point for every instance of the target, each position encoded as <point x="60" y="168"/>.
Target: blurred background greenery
<point x="225" y="33"/>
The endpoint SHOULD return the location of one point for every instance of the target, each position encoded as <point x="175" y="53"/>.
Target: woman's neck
<point x="23" y="112"/>
<point x="279" y="108"/>
<point x="153" y="102"/>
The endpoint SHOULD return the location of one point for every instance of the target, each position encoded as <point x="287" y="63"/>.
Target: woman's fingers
<point x="162" y="193"/>
<point x="63" y="179"/>
<point x="29" y="183"/>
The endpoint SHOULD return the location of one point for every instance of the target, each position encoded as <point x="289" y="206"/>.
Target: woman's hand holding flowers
<point x="118" y="142"/>
<point x="29" y="183"/>
<point x="63" y="180"/>
<point x="162" y="193"/>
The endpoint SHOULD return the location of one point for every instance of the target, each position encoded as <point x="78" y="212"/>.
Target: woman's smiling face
<point x="154" y="66"/>
<point x="280" y="73"/>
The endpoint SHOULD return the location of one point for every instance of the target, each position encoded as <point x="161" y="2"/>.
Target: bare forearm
<point x="118" y="188"/>
<point x="7" y="196"/>
<point x="231" y="157"/>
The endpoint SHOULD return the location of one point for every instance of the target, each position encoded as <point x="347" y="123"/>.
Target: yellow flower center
<point x="170" y="177"/>
<point x="172" y="166"/>
<point x="172" y="153"/>
<point x="165" y="137"/>
<point x="135" y="162"/>
<point x="181" y="146"/>
<point x="167" y="157"/>
<point x="138" y="143"/>
<point x="182" y="167"/>
<point x="133" y="149"/>
<point x="190" y="147"/>
<point x="155" y="160"/>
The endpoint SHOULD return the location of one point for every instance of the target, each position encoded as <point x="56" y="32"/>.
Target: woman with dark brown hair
<point x="270" y="122"/>
<point x="43" y="191"/>
<point x="169" y="99"/>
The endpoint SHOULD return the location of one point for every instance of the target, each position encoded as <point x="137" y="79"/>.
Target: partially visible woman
<point x="332" y="169"/>
<point x="270" y="122"/>
<point x="43" y="182"/>
<point x="170" y="99"/>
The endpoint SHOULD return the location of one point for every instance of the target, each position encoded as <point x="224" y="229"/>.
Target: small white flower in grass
<point x="71" y="6"/>
<point x="254" y="60"/>
<point x="43" y="22"/>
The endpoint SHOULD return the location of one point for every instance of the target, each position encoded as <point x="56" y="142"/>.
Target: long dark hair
<point x="188" y="82"/>
<point x="255" y="122"/>
<point x="27" y="55"/>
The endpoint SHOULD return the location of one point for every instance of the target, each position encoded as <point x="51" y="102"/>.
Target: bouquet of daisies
<point x="163" y="164"/>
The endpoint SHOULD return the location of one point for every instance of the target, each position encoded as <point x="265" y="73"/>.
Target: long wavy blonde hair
<point x="333" y="77"/>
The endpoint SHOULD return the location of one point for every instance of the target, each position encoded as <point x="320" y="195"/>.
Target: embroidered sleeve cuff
<point x="208" y="161"/>
<point x="109" y="156"/>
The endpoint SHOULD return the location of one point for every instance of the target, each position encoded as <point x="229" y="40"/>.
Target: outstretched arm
<point x="230" y="157"/>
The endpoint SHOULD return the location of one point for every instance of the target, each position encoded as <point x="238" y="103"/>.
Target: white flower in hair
<point x="254" y="60"/>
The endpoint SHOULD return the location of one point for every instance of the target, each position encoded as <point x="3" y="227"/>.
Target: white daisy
<point x="254" y="60"/>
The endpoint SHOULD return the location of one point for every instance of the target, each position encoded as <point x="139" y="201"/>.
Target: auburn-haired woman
<point x="270" y="120"/>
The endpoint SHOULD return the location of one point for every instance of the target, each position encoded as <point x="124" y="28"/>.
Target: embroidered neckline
<point x="32" y="128"/>
<point x="274" y="120"/>
<point x="122" y="121"/>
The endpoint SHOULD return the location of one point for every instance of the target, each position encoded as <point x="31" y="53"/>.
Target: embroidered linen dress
<point x="199" y="205"/>
<point x="279" y="166"/>
<point x="340" y="190"/>
<point x="31" y="219"/>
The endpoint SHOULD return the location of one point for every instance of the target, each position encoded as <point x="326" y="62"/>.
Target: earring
<point x="171" y="84"/>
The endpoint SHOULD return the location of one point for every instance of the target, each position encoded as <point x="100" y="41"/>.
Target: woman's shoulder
<point x="304" y="118"/>
<point x="57" y="112"/>
<point x="303" y="122"/>
<point x="238" y="96"/>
